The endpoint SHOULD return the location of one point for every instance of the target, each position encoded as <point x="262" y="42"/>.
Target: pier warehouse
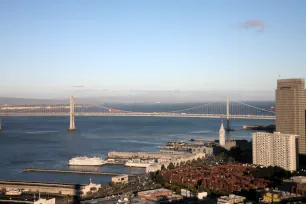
<point x="51" y="188"/>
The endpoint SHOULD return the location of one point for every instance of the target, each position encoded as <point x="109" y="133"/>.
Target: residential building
<point x="91" y="187"/>
<point x="277" y="196"/>
<point x="299" y="186"/>
<point x="45" y="201"/>
<point x="229" y="144"/>
<point x="275" y="149"/>
<point x="231" y="199"/>
<point x="157" y="195"/>
<point x="202" y="195"/>
<point x="291" y="109"/>
<point x="186" y="193"/>
<point x="153" y="168"/>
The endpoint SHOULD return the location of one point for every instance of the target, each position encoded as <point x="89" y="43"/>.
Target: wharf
<point x="43" y="187"/>
<point x="74" y="172"/>
<point x="144" y="155"/>
<point x="201" y="140"/>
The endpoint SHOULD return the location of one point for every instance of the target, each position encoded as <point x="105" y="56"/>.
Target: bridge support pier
<point x="0" y="124"/>
<point x="72" y="123"/>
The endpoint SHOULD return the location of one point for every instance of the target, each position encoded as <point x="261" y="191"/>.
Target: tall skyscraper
<point x="275" y="149"/>
<point x="222" y="135"/>
<point x="291" y="109"/>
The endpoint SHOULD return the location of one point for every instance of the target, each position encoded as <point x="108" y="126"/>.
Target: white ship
<point x="139" y="163"/>
<point x="13" y="192"/>
<point x="86" y="161"/>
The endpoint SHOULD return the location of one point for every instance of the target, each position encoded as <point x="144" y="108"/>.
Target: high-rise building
<point x="222" y="135"/>
<point x="275" y="149"/>
<point x="291" y="109"/>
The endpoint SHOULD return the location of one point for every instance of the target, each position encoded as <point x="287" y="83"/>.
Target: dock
<point x="74" y="172"/>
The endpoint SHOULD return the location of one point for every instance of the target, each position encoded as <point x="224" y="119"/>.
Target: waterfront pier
<point x="74" y="172"/>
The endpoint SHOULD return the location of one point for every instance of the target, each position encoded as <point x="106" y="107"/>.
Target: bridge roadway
<point x="139" y="114"/>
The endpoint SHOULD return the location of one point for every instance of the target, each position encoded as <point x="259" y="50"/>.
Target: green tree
<point x="171" y="166"/>
<point x="199" y="183"/>
<point x="163" y="167"/>
<point x="159" y="179"/>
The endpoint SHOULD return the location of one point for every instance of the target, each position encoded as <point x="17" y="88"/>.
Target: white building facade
<point x="45" y="201"/>
<point x="275" y="149"/>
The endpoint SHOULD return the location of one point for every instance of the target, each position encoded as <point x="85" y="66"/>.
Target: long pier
<point x="74" y="172"/>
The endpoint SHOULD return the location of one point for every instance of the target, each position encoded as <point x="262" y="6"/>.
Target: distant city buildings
<point x="291" y="109"/>
<point x="275" y="149"/>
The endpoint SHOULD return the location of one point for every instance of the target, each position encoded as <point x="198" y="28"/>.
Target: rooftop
<point x="160" y="190"/>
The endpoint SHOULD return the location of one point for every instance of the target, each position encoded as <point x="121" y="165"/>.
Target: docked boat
<point x="13" y="192"/>
<point x="139" y="163"/>
<point x="86" y="161"/>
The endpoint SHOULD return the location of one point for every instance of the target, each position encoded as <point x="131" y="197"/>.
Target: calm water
<point x="43" y="142"/>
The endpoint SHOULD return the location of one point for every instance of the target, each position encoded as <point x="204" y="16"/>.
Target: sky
<point x="52" y="49"/>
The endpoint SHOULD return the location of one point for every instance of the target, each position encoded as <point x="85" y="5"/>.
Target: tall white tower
<point x="222" y="135"/>
<point x="72" y="124"/>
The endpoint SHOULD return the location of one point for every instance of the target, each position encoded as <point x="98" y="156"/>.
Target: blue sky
<point x="112" y="47"/>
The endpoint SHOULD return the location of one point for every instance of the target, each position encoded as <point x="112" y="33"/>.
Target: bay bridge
<point x="224" y="109"/>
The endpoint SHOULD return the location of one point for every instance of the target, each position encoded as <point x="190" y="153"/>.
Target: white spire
<point x="222" y="127"/>
<point x="222" y="135"/>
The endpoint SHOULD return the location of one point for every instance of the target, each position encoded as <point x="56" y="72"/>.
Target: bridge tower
<point x="72" y="124"/>
<point x="228" y="127"/>
<point x="0" y="124"/>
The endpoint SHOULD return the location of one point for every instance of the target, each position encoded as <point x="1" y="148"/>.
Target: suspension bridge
<point x="224" y="109"/>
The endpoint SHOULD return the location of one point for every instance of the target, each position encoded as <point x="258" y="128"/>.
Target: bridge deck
<point x="179" y="115"/>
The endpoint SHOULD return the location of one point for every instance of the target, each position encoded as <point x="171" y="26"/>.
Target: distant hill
<point x="30" y="101"/>
<point x="135" y="96"/>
